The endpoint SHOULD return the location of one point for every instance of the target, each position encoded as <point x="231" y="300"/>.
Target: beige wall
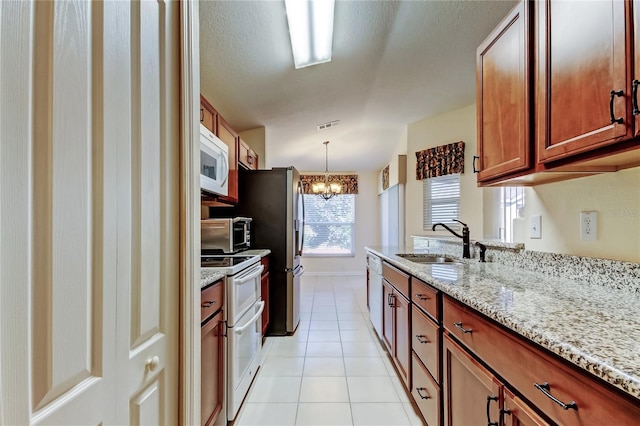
<point x="616" y="198"/>
<point x="255" y="138"/>
<point x="367" y="231"/>
<point x="452" y="126"/>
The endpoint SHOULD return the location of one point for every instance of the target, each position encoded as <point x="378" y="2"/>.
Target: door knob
<point x="153" y="362"/>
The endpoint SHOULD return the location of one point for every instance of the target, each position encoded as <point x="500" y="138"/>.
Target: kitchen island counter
<point x="594" y="327"/>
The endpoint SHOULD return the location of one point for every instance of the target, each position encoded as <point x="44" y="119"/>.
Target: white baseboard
<point x="336" y="273"/>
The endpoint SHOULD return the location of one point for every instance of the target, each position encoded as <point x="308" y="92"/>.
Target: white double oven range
<point x="242" y="312"/>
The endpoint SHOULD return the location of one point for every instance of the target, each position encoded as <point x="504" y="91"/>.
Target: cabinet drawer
<point x="522" y="364"/>
<point x="397" y="278"/>
<point x="426" y="393"/>
<point x="211" y="299"/>
<point x="426" y="297"/>
<point x="425" y="341"/>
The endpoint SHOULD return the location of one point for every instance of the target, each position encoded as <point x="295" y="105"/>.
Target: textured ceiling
<point x="393" y="63"/>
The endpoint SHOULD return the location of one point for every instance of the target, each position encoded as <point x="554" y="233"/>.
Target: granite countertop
<point x="207" y="277"/>
<point x="256" y="252"/>
<point x="594" y="327"/>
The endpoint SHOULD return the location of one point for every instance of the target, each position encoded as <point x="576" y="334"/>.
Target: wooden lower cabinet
<point x="212" y="369"/>
<point x="425" y="392"/>
<point x="516" y="412"/>
<point x="396" y="325"/>
<point x="471" y="392"/>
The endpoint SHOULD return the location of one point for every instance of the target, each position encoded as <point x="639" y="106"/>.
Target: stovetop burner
<point x="222" y="261"/>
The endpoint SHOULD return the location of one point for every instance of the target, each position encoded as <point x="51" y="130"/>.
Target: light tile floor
<point x="333" y="370"/>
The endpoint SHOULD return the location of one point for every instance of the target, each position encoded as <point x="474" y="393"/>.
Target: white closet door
<point x="142" y="96"/>
<point x="88" y="212"/>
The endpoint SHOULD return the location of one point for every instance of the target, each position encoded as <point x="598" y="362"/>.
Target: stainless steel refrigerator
<point x="274" y="199"/>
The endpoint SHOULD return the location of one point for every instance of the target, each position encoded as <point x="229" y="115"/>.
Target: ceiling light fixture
<point x="310" y="30"/>
<point x="325" y="189"/>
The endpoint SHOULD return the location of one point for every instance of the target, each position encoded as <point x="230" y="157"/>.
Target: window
<point x="511" y="204"/>
<point x="329" y="225"/>
<point x="441" y="200"/>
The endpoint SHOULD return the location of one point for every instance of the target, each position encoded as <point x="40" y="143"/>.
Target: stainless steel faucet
<point x="465" y="236"/>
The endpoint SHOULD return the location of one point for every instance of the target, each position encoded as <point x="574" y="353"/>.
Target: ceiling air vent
<point x="328" y="125"/>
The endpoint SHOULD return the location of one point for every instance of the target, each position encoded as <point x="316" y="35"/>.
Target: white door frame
<point x="190" y="213"/>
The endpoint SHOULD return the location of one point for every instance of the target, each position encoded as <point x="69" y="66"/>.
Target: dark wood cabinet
<point x="264" y="290"/>
<point x="248" y="158"/>
<point x="229" y="137"/>
<point x="208" y="115"/>
<point x="583" y="57"/>
<point x="472" y="395"/>
<point x="212" y="353"/>
<point x="636" y="67"/>
<point x="396" y="327"/>
<point x="503" y="97"/>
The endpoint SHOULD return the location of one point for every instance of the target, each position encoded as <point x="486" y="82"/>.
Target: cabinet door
<point x="264" y="288"/>
<point x="387" y="317"/>
<point x="212" y="364"/>
<point x="403" y="338"/>
<point x="503" y="90"/>
<point x="228" y="136"/>
<point x="636" y="65"/>
<point x="581" y="58"/>
<point x="471" y="393"/>
<point x="518" y="413"/>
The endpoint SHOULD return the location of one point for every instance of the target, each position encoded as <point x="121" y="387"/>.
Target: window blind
<point x="441" y="200"/>
<point x="329" y="225"/>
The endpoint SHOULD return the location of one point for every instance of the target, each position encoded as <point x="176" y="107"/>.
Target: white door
<point x="88" y="212"/>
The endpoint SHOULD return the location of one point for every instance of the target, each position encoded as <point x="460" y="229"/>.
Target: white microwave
<point x="214" y="163"/>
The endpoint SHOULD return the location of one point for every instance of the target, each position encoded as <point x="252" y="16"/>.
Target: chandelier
<point x="325" y="189"/>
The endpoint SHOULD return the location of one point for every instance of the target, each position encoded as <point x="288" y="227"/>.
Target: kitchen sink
<point x="429" y="259"/>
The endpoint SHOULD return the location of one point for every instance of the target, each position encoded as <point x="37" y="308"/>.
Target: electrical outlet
<point x="589" y="226"/>
<point x="535" y="226"/>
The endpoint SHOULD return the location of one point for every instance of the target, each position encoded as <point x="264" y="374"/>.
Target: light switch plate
<point x="589" y="226"/>
<point x="535" y="226"/>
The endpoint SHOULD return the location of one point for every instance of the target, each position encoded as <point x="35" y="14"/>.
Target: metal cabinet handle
<point x="489" y="399"/>
<point x="475" y="157"/>
<point x="461" y="328"/>
<point x="420" y="393"/>
<point x="208" y="303"/>
<point x="546" y="390"/>
<point x="613" y="94"/>
<point x="201" y="115"/>
<point x="504" y="412"/>
<point x="634" y="97"/>
<point x="391" y="296"/>
<point x="422" y="297"/>
<point x="421" y="338"/>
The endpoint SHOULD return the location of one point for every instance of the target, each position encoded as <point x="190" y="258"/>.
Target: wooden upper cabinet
<point x="208" y="115"/>
<point x="503" y="97"/>
<point x="229" y="137"/>
<point x="583" y="55"/>
<point x="248" y="158"/>
<point x="636" y="66"/>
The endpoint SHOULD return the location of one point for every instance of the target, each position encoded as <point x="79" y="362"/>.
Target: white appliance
<point x="375" y="293"/>
<point x="243" y="315"/>
<point x="214" y="163"/>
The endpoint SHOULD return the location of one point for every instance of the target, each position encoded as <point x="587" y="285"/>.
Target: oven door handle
<point x="250" y="276"/>
<point x="240" y="330"/>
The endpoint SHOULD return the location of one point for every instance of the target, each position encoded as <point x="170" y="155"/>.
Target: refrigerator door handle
<point x="299" y="271"/>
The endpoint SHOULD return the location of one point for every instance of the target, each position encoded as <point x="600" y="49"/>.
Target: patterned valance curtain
<point x="349" y="182"/>
<point x="441" y="160"/>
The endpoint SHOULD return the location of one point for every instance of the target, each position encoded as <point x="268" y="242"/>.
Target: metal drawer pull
<point x="422" y="297"/>
<point x="489" y="399"/>
<point x="420" y="393"/>
<point x="546" y="390"/>
<point x="421" y="338"/>
<point x="613" y="116"/>
<point x="475" y="157"/>
<point x="208" y="303"/>
<point x="461" y="328"/>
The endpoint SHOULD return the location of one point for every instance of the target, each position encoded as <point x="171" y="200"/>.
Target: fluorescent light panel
<point x="310" y="30"/>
